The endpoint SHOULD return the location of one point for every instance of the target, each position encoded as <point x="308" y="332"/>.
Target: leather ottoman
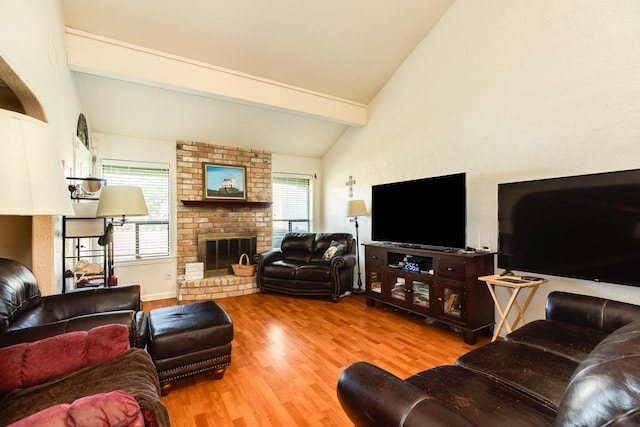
<point x="189" y="339"/>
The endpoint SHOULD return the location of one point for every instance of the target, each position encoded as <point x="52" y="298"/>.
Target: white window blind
<point x="291" y="205"/>
<point x="145" y="236"/>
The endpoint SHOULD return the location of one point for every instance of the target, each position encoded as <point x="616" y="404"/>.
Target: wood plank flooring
<point x="288" y="354"/>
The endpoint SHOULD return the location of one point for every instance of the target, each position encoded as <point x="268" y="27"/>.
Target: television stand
<point x="438" y="285"/>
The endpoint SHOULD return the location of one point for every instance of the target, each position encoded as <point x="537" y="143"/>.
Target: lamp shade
<point x="121" y="200"/>
<point x="357" y="208"/>
<point x="31" y="173"/>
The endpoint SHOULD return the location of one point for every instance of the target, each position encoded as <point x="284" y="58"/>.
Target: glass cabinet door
<point x="421" y="293"/>
<point x="375" y="281"/>
<point x="398" y="287"/>
<point x="453" y="301"/>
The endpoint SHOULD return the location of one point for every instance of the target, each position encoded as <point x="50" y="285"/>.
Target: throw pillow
<point x="28" y="364"/>
<point x="116" y="408"/>
<point x="334" y="249"/>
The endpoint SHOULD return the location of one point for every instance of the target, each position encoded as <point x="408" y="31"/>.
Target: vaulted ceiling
<point x="288" y="76"/>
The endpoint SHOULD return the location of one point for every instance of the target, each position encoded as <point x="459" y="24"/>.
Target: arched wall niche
<point x="27" y="238"/>
<point x="16" y="96"/>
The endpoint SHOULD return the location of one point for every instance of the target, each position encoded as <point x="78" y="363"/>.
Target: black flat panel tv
<point x="583" y="227"/>
<point x="428" y="212"/>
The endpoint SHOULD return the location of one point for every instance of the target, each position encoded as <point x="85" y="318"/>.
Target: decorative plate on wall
<point x="82" y="132"/>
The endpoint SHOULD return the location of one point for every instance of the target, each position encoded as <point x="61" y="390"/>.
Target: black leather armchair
<point x="27" y="316"/>
<point x="298" y="268"/>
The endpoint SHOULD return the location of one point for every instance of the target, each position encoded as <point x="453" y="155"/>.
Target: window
<point x="145" y="236"/>
<point x="291" y="205"/>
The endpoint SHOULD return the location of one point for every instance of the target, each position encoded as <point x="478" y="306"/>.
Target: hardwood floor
<point x="288" y="354"/>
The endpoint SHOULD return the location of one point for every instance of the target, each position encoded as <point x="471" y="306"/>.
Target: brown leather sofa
<point x="578" y="367"/>
<point x="298" y="268"/>
<point x="27" y="316"/>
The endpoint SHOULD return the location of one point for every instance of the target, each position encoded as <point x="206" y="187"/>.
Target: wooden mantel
<point x="224" y="204"/>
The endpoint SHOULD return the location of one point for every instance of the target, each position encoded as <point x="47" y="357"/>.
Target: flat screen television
<point x="583" y="227"/>
<point x="430" y="213"/>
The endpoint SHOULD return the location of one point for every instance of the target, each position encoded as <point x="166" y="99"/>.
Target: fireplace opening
<point x="219" y="251"/>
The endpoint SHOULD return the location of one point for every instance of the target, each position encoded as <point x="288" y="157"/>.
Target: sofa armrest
<point x="267" y="257"/>
<point x="129" y="318"/>
<point x="89" y="301"/>
<point x="371" y="396"/>
<point x="589" y="311"/>
<point x="263" y="259"/>
<point x="28" y="364"/>
<point x="344" y="261"/>
<point x="142" y="330"/>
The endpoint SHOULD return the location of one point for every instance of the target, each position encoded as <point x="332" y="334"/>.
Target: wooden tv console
<point x="445" y="287"/>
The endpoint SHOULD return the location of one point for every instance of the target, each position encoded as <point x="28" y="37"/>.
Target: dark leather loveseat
<point x="27" y="316"/>
<point x="579" y="367"/>
<point x="298" y="267"/>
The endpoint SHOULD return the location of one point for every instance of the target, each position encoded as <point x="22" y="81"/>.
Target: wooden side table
<point x="514" y="285"/>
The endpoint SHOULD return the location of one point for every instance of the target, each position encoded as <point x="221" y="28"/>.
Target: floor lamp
<point x="116" y="201"/>
<point x="355" y="209"/>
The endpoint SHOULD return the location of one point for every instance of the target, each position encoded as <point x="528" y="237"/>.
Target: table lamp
<point x="116" y="201"/>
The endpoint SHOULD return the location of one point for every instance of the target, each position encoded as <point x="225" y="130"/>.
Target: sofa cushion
<point x="116" y="408"/>
<point x="565" y="339"/>
<point x="335" y="249"/>
<point x="314" y="273"/>
<point x="604" y="387"/>
<point x="297" y="247"/>
<point x="27" y="364"/>
<point x="480" y="399"/>
<point x="281" y="269"/>
<point x="19" y="291"/>
<point x="532" y="371"/>
<point x="590" y="311"/>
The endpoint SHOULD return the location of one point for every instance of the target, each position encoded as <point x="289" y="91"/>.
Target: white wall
<point x="32" y="43"/>
<point x="504" y="90"/>
<point x="156" y="277"/>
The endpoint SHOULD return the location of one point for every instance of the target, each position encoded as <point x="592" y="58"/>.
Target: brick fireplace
<point x="199" y="220"/>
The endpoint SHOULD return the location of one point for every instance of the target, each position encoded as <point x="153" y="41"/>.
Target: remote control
<point x="530" y="278"/>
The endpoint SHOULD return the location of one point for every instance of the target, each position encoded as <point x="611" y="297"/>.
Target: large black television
<point x="429" y="213"/>
<point x="582" y="227"/>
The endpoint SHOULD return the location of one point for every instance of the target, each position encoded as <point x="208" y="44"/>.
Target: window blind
<point x="147" y="236"/>
<point x="291" y="205"/>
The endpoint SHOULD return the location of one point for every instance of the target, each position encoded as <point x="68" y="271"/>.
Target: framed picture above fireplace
<point x="224" y="182"/>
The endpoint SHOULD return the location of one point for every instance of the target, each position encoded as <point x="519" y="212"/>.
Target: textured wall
<point x="504" y="90"/>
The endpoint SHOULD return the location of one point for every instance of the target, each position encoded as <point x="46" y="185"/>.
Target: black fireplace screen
<point x="219" y="254"/>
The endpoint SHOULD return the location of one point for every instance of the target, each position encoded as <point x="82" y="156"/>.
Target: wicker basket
<point x="244" y="270"/>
